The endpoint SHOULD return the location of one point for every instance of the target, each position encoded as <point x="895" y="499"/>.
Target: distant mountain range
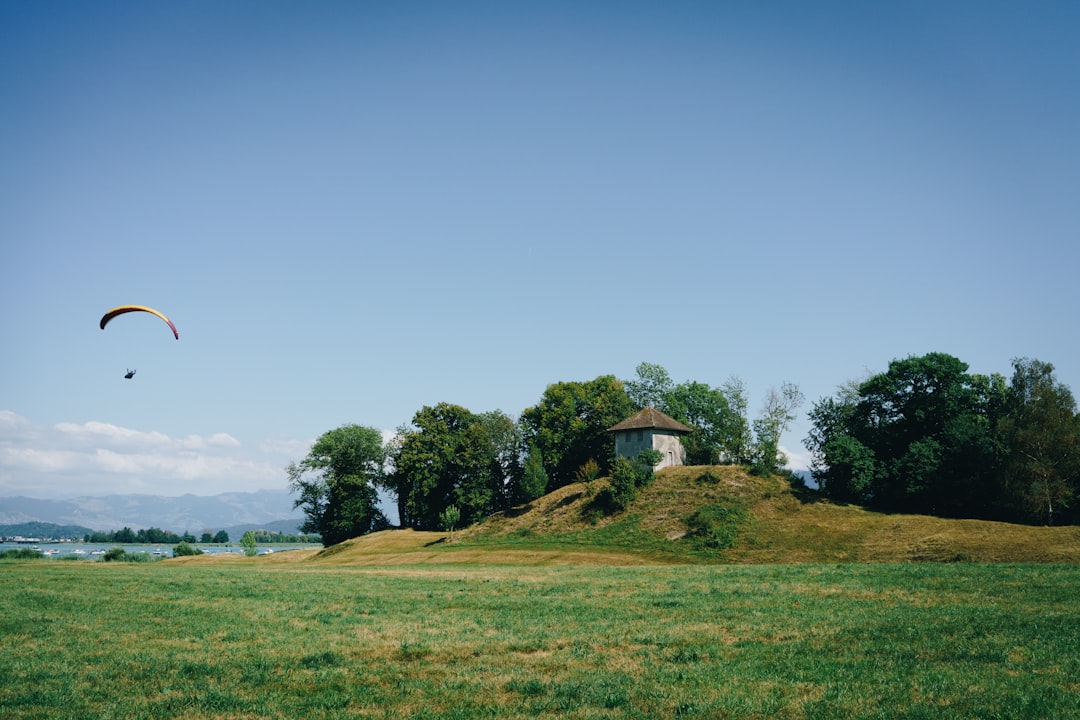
<point x="265" y="509"/>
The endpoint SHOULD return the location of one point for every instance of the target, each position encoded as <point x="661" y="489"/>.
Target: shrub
<point x="626" y="477"/>
<point x="114" y="553"/>
<point x="623" y="486"/>
<point x="651" y="457"/>
<point x="715" y="526"/>
<point x="449" y="517"/>
<point x="589" y="471"/>
<point x="183" y="548"/>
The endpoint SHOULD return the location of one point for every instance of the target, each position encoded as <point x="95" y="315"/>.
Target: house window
<point x="640" y="435"/>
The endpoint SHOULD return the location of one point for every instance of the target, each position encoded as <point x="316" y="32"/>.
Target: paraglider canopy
<point x="136" y="308"/>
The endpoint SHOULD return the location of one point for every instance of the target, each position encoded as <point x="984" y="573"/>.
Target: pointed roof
<point x="651" y="418"/>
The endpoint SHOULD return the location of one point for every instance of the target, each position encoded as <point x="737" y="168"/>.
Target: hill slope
<point x="771" y="522"/>
<point x="763" y="520"/>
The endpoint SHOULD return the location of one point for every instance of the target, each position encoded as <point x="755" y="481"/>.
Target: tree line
<point x="454" y="467"/>
<point x="923" y="437"/>
<point x="151" y="535"/>
<point x="928" y="437"/>
<point x="157" y="536"/>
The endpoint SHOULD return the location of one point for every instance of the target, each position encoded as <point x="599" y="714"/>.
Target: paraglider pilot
<point x="130" y="374"/>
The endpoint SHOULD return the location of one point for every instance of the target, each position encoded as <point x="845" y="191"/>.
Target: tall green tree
<point x="248" y="543"/>
<point x="570" y="425"/>
<point x="337" y="484"/>
<point x="534" y="480"/>
<point x="651" y="388"/>
<point x="453" y="457"/>
<point x="1041" y="431"/>
<point x="777" y="414"/>
<point x="716" y="429"/>
<point x="842" y="466"/>
<point x="739" y="445"/>
<point x="917" y="438"/>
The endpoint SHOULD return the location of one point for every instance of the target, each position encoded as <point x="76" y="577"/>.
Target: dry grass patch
<point x="770" y="522"/>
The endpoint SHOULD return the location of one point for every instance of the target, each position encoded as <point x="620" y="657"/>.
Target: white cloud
<point x="99" y="432"/>
<point x="286" y="447"/>
<point x="797" y="459"/>
<point x="100" y="458"/>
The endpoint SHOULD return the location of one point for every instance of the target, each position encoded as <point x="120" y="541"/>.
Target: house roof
<point x="651" y="418"/>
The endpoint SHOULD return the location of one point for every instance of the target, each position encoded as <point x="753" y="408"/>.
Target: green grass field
<point x="261" y="638"/>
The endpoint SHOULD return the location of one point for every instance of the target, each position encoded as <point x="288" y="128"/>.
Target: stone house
<point x="651" y="429"/>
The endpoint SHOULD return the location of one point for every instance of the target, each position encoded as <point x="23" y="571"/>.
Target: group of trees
<point x="152" y="535"/>
<point x="928" y="437"/>
<point x="451" y="466"/>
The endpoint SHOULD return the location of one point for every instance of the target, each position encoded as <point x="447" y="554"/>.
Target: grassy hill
<point x="748" y="520"/>
<point x="771" y="522"/>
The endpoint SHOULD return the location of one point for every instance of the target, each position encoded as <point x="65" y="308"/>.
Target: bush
<point x="651" y="458"/>
<point x="114" y="553"/>
<point x="183" y="548"/>
<point x="715" y="526"/>
<point x="118" y="554"/>
<point x="589" y="471"/>
<point x="624" y="483"/>
<point x="626" y="477"/>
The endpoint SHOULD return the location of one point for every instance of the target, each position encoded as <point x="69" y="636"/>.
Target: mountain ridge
<point x="185" y="513"/>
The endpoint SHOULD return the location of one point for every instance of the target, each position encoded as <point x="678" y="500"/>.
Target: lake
<point x="94" y="551"/>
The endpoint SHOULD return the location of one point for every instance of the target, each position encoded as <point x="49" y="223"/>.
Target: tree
<point x="248" y="543"/>
<point x="221" y="537"/>
<point x="739" y="443"/>
<point x="570" y="425"/>
<point x="830" y="419"/>
<point x="534" y="480"/>
<point x="451" y="456"/>
<point x="718" y="433"/>
<point x="917" y="438"/>
<point x="652" y="387"/>
<point x="337" y="484"/>
<point x="1041" y="430"/>
<point x="777" y="414"/>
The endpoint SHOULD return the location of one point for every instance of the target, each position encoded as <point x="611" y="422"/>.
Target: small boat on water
<point x="78" y="551"/>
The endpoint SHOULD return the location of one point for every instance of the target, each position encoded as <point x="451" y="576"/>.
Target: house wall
<point x="628" y="443"/>
<point x="670" y="447"/>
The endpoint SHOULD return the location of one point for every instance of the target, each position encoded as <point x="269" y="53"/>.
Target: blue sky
<point x="353" y="210"/>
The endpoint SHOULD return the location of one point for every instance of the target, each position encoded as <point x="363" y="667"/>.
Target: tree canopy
<point x="453" y="457"/>
<point x="928" y="437"/>
<point x="569" y="426"/>
<point x="337" y="484"/>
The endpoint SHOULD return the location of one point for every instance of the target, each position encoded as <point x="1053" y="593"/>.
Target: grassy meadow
<point x="295" y="637"/>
